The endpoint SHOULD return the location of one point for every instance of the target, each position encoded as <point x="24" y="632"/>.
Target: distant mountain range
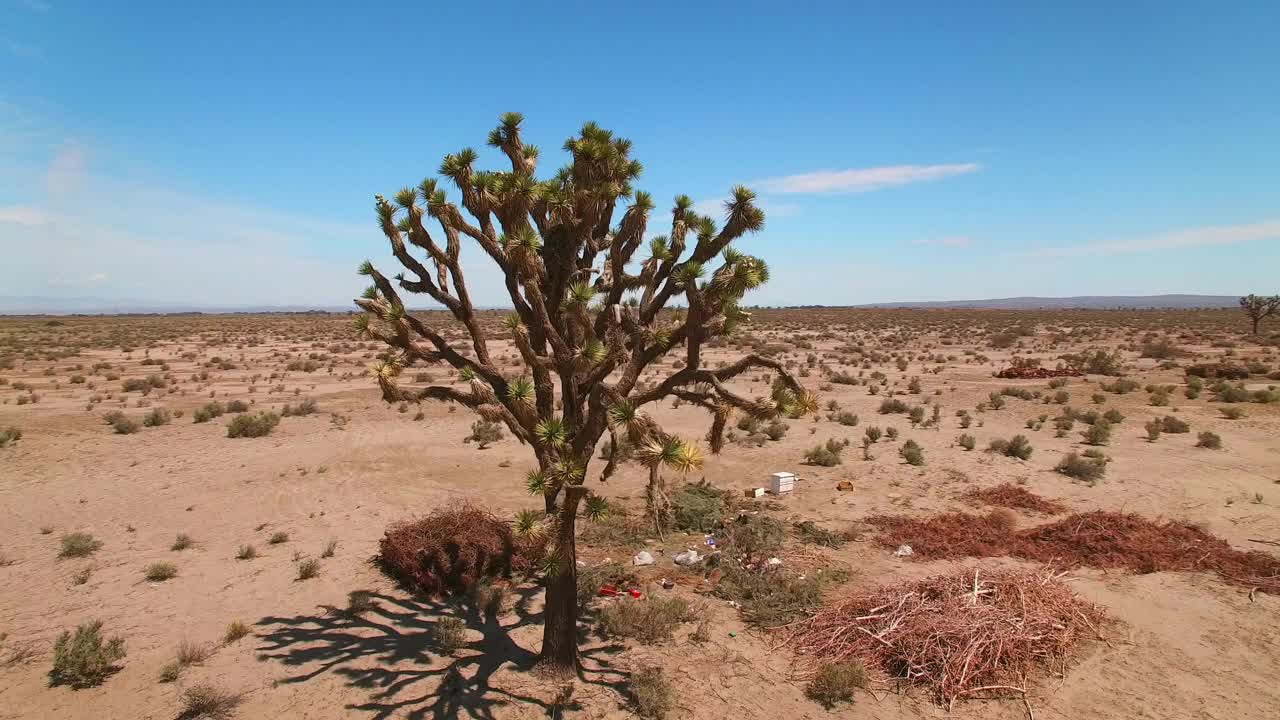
<point x="38" y="305"/>
<point x="1087" y="302"/>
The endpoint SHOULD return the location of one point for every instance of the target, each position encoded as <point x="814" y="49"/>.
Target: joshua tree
<point x="1259" y="308"/>
<point x="585" y="323"/>
<point x="662" y="450"/>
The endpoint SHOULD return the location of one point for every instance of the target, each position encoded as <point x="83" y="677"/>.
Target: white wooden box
<point x="782" y="482"/>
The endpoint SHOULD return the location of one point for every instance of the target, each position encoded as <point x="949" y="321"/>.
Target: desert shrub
<point x="697" y="507"/>
<point x="912" y="453"/>
<point x="251" y="426"/>
<point x="995" y="401"/>
<point x="246" y="552"/>
<point x="1098" y="433"/>
<point x="847" y="419"/>
<point x="967" y="441"/>
<point x="873" y="433"/>
<point x="452" y="549"/>
<point x="157" y="417"/>
<point x="1098" y="362"/>
<point x="772" y="597"/>
<point x="308" y="568"/>
<point x="9" y="435"/>
<point x="207" y="702"/>
<point x="813" y="534"/>
<point x="78" y="544"/>
<point x="306" y="407"/>
<point x="836" y="683"/>
<point x="208" y="411"/>
<point x="915" y="415"/>
<point x="237" y="406"/>
<point x="1017" y="392"/>
<point x="652" y="694"/>
<point x="484" y="432"/>
<point x="1082" y="468"/>
<point x="1153" y="430"/>
<point x="1209" y="440"/>
<point x="449" y="634"/>
<point x="1171" y="424"/>
<point x="1161" y="349"/>
<point x="776" y="430"/>
<point x="278" y="537"/>
<point x="892" y="405"/>
<point x="1218" y="370"/>
<point x="181" y="542"/>
<point x="753" y="536"/>
<point x="1121" y="386"/>
<point x="136" y="385"/>
<point x="161" y="571"/>
<point x="85" y="658"/>
<point x="649" y="620"/>
<point x="1018" y="446"/>
<point x="828" y="455"/>
<point x="1113" y="416"/>
<point x="1232" y="413"/>
<point x="124" y="425"/>
<point x="235" y="630"/>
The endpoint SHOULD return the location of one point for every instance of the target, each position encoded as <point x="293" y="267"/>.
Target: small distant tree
<point x="1259" y="308"/>
<point x="585" y="322"/>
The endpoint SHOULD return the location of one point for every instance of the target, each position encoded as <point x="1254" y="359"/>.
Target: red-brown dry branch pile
<point x="1036" y="373"/>
<point x="979" y="632"/>
<point x="1013" y="496"/>
<point x="1097" y="539"/>
<point x="451" y="550"/>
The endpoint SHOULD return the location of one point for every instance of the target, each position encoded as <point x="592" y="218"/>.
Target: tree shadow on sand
<point x="391" y="648"/>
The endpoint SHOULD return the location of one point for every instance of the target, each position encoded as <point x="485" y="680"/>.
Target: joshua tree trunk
<point x="560" y="628"/>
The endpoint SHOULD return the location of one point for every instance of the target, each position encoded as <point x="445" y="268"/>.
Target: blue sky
<point x="228" y="152"/>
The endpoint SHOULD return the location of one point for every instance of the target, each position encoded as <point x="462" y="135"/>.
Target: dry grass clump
<point x="1013" y="496"/>
<point x="207" y="702"/>
<point x="252" y="426"/>
<point x="161" y="571"/>
<point x="652" y="694"/>
<point x="78" y="544"/>
<point x="449" y="634"/>
<point x="1098" y="539"/>
<point x="453" y="549"/>
<point x="649" y="620"/>
<point x="974" y="633"/>
<point x="836" y="683"/>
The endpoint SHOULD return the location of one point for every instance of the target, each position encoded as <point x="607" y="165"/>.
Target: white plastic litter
<point x="642" y="558"/>
<point x="688" y="557"/>
<point x="774" y="562"/>
<point x="904" y="551"/>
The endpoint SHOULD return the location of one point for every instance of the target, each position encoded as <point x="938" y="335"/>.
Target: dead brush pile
<point x="1097" y="539"/>
<point x="976" y="633"/>
<point x="1013" y="496"/>
<point x="452" y="550"/>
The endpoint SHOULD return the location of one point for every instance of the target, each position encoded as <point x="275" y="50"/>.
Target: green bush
<point x="966" y="441"/>
<point x="252" y="426"/>
<point x="157" y="416"/>
<point x="697" y="507"/>
<point x="85" y="658"/>
<point x="1018" y="446"/>
<point x="1082" y="468"/>
<point x="1098" y="433"/>
<point x="836" y="683"/>
<point x="912" y="453"/>
<point x="78" y="544"/>
<point x="652" y="694"/>
<point x="892" y="405"/>
<point x="1209" y="440"/>
<point x="828" y="455"/>
<point x="1171" y="424"/>
<point x="649" y="620"/>
<point x="9" y="435"/>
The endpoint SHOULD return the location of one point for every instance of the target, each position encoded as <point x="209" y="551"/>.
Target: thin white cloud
<point x="22" y="215"/>
<point x="951" y="241"/>
<point x="24" y="50"/>
<point x="857" y="180"/>
<point x="98" y="277"/>
<point x="37" y="5"/>
<point x="68" y="169"/>
<point x="1189" y="238"/>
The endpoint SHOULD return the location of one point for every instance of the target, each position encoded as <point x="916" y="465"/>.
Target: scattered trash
<point x="607" y="591"/>
<point x="711" y="542"/>
<point x="634" y="592"/>
<point x="733" y="634"/>
<point x="688" y="557"/>
<point x="844" y="486"/>
<point x="774" y="562"/>
<point x="581" y="564"/>
<point x="755" y="492"/>
<point x="781" y="483"/>
<point x="667" y="584"/>
<point x="642" y="558"/>
<point x="904" y="551"/>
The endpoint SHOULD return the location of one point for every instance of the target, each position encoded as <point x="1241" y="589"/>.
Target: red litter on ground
<point x="607" y="591"/>
<point x="633" y="592"/>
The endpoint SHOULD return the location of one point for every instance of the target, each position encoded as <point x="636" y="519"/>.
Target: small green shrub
<point x="1082" y="468"/>
<point x="1098" y="433"/>
<point x="836" y="683"/>
<point x="181" y="542"/>
<point x="207" y="702"/>
<point x="966" y="441"/>
<point x="252" y="426"/>
<point x="912" y="453"/>
<point x="449" y="634"/>
<point x="697" y="507"/>
<point x="308" y="568"/>
<point x="1174" y="425"/>
<point x="1209" y="440"/>
<point x="157" y="417"/>
<point x="649" y="620"/>
<point x="85" y="658"/>
<point x="161" y="571"/>
<point x="652" y="694"/>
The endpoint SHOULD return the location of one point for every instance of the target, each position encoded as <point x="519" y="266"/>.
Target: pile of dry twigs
<point x="977" y="633"/>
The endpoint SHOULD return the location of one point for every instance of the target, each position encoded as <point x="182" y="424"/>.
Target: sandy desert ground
<point x="1182" y="644"/>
